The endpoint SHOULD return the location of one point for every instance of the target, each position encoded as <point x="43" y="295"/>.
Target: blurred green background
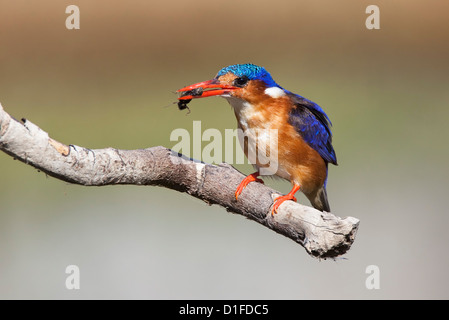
<point x="111" y="83"/>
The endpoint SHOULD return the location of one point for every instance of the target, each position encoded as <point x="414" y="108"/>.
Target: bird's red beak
<point x="205" y="89"/>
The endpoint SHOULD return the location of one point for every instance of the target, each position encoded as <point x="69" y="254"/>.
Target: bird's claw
<point x="245" y="182"/>
<point x="279" y="200"/>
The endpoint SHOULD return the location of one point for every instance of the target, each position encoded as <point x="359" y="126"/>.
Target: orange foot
<point x="279" y="200"/>
<point x="252" y="177"/>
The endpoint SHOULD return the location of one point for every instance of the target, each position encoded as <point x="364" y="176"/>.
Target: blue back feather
<point x="313" y="125"/>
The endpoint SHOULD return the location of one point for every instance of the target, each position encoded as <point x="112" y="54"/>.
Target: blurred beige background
<point x="111" y="83"/>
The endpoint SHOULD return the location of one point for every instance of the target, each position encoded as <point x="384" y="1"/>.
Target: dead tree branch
<point x="322" y="234"/>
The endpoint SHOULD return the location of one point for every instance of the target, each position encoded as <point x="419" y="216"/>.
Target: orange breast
<point x="296" y="160"/>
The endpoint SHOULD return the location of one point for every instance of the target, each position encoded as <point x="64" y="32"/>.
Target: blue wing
<point x="313" y="125"/>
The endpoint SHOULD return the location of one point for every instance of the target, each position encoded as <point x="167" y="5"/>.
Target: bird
<point x="304" y="137"/>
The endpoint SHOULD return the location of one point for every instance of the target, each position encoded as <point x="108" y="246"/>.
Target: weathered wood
<point x="322" y="234"/>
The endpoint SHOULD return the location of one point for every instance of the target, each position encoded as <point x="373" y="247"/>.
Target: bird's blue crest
<point x="252" y="71"/>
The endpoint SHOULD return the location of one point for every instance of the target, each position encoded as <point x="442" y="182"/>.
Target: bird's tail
<point x="319" y="200"/>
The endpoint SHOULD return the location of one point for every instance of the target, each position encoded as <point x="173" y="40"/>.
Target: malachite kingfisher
<point x="304" y="138"/>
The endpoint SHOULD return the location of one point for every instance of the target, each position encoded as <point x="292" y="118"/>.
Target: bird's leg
<point x="279" y="200"/>
<point x="252" y="177"/>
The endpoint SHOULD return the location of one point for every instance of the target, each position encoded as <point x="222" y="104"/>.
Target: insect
<point x="195" y="92"/>
<point x="182" y="104"/>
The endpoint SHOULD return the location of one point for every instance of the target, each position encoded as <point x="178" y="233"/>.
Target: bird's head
<point x="247" y="82"/>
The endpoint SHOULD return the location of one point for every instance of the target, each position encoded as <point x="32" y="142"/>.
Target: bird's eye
<point x="241" y="81"/>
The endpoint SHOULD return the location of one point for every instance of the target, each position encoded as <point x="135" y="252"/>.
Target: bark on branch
<point x="322" y="234"/>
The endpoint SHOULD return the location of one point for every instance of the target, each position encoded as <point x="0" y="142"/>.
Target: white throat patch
<point x="275" y="92"/>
